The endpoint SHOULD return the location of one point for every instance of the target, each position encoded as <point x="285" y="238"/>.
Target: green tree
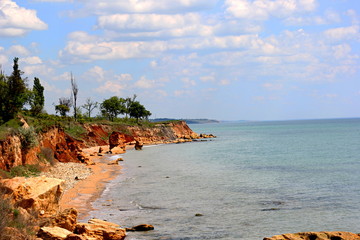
<point x="64" y="106"/>
<point x="112" y="107"/>
<point x="89" y="106"/>
<point x="17" y="93"/>
<point x="128" y="102"/>
<point x="3" y="95"/>
<point x="138" y="111"/>
<point x="37" y="100"/>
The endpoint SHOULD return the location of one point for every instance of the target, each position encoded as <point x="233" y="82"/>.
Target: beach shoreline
<point x="85" y="191"/>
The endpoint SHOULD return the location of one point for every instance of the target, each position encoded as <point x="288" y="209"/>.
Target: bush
<point x="28" y="137"/>
<point x="25" y="171"/>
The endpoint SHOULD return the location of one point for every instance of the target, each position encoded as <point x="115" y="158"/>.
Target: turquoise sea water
<point x="255" y="180"/>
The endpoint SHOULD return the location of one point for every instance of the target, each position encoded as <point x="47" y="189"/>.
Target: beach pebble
<point x="70" y="172"/>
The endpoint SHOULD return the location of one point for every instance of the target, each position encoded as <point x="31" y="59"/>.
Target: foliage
<point x="64" y="106"/>
<point x="112" y="107"/>
<point x="37" y="100"/>
<point x="128" y="102"/>
<point x="75" y="131"/>
<point x="8" y="128"/>
<point x="28" y="137"/>
<point x="138" y="111"/>
<point x="14" y="93"/>
<point x="25" y="171"/>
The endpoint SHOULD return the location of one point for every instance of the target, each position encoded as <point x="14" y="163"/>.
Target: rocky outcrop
<point x="100" y="230"/>
<point x="39" y="195"/>
<point x="316" y="236"/>
<point x="66" y="219"/>
<point x="64" y="148"/>
<point x="53" y="233"/>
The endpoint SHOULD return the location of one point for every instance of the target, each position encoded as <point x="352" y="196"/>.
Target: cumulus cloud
<point x="342" y="33"/>
<point x="17" y="21"/>
<point x="263" y="9"/>
<point x="18" y="50"/>
<point x="88" y="51"/>
<point x="111" y="87"/>
<point x="103" y="7"/>
<point x="143" y="82"/>
<point x="147" y="22"/>
<point x="31" y="60"/>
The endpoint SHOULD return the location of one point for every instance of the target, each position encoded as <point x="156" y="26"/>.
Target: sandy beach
<point x="92" y="179"/>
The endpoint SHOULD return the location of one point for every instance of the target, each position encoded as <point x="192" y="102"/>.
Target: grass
<point x="8" y="128"/>
<point x="25" y="171"/>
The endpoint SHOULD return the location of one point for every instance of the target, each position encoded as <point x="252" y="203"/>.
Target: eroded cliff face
<point x="64" y="148"/>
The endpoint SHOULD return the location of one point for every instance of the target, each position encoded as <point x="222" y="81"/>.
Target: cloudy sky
<point x="219" y="59"/>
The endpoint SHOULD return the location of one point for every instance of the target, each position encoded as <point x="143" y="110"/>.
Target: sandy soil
<point x="88" y="190"/>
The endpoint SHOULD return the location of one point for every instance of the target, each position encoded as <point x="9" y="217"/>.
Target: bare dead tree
<point x="89" y="106"/>
<point x="74" y="91"/>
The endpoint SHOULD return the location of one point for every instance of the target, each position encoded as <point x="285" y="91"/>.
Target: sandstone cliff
<point x="65" y="148"/>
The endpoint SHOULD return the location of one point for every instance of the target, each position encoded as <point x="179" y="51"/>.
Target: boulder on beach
<point x="316" y="236"/>
<point x="99" y="229"/>
<point x="53" y="233"/>
<point x="66" y="219"/>
<point x="38" y="194"/>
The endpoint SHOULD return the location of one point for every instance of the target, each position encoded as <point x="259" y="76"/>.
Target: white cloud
<point x="341" y="33"/>
<point x="18" y="50"/>
<point x="31" y="60"/>
<point x="88" y="51"/>
<point x="330" y="17"/>
<point x="208" y="78"/>
<point x="224" y="82"/>
<point x="38" y="70"/>
<point x="273" y="86"/>
<point x="147" y="22"/>
<point x="102" y="7"/>
<point x="111" y="87"/>
<point x="145" y="83"/>
<point x="188" y="82"/>
<point x="99" y="74"/>
<point x="341" y="51"/>
<point x="263" y="9"/>
<point x="78" y="51"/>
<point x="17" y="21"/>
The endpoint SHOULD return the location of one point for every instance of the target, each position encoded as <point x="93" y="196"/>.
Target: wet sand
<point x="86" y="191"/>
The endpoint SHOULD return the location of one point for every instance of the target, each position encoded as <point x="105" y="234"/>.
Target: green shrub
<point x="28" y="137"/>
<point x="75" y="131"/>
<point x="25" y="171"/>
<point x="47" y="155"/>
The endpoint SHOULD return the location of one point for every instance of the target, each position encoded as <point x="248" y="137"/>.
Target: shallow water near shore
<point x="256" y="180"/>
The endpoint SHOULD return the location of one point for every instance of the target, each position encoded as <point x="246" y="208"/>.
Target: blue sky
<point x="226" y="60"/>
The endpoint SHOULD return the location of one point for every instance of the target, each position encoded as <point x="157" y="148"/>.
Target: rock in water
<point x="138" y="145"/>
<point x="140" y="228"/>
<point x="316" y="236"/>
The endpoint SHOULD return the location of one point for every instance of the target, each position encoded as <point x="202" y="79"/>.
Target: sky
<point x="217" y="59"/>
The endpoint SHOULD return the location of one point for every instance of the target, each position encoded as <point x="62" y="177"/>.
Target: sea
<point x="255" y="180"/>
